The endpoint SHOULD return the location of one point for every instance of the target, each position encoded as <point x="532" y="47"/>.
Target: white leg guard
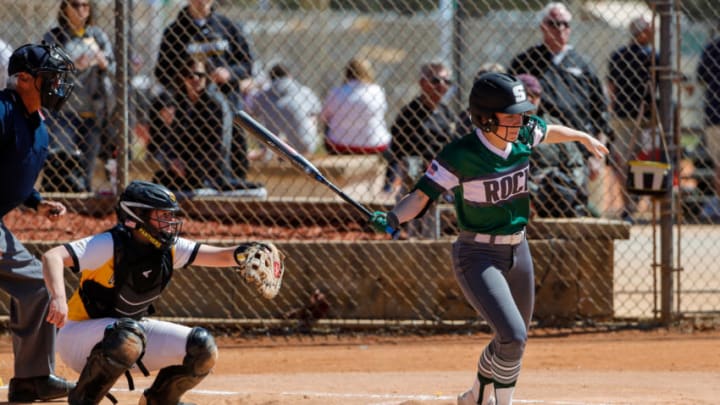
<point x="173" y="381"/>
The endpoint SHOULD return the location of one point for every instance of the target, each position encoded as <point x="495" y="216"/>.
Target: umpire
<point x="37" y="78"/>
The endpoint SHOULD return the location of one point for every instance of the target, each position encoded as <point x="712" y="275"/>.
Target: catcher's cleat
<point x="38" y="388"/>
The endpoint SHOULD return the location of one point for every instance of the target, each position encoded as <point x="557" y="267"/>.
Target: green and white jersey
<point x="490" y="185"/>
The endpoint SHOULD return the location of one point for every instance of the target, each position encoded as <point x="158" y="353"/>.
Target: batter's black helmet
<point x="136" y="205"/>
<point x="497" y="93"/>
<point x="50" y="63"/>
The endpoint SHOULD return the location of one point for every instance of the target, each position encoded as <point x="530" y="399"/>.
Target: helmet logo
<point x="519" y="93"/>
<point x="172" y="196"/>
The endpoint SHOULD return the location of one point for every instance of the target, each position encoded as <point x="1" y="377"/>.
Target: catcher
<point x="104" y="331"/>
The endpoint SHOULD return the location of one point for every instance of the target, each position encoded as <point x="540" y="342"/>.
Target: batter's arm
<point x="410" y="206"/>
<point x="561" y="133"/>
<point x="54" y="261"/>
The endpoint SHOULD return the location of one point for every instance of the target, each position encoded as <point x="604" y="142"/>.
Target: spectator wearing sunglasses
<point x="201" y="31"/>
<point x="572" y="92"/>
<point x="77" y="129"/>
<point x="420" y="130"/>
<point x="194" y="151"/>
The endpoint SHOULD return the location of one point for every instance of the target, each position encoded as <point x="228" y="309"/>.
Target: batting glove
<point x="379" y="221"/>
<point x="385" y="222"/>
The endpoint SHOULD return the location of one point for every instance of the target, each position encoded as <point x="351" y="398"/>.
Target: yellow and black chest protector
<point x="140" y="272"/>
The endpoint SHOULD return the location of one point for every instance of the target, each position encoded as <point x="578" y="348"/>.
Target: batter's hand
<point x="57" y="312"/>
<point x="594" y="146"/>
<point x="51" y="209"/>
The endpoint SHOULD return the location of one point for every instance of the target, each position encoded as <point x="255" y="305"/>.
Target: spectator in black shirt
<point x="194" y="151"/>
<point x="572" y="92"/>
<point x="422" y="127"/>
<point x="420" y="130"/>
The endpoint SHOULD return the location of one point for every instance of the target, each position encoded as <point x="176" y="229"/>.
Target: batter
<point x="487" y="171"/>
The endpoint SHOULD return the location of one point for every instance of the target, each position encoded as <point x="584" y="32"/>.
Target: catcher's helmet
<point x="50" y="63"/>
<point x="497" y="93"/>
<point x="139" y="201"/>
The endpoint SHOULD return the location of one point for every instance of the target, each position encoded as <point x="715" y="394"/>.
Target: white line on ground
<point x="385" y="397"/>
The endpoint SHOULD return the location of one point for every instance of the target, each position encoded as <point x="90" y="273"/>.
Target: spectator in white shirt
<point x="355" y="113"/>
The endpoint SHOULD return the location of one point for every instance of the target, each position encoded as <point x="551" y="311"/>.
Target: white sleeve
<point x="185" y="251"/>
<point x="441" y="176"/>
<point x="538" y="136"/>
<point x="92" y="252"/>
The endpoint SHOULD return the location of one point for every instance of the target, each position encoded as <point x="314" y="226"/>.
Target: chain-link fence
<point x="369" y="92"/>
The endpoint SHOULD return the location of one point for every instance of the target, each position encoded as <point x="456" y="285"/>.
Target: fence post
<point x="665" y="9"/>
<point x="121" y="78"/>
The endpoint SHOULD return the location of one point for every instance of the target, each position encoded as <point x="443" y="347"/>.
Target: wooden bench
<point x="359" y="176"/>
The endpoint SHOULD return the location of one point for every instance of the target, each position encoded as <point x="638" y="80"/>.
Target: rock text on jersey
<point x="507" y="186"/>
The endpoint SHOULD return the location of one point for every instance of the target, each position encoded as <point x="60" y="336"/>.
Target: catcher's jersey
<point x="490" y="185"/>
<point x="93" y="258"/>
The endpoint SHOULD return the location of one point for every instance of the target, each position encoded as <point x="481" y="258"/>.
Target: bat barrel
<point x="277" y="145"/>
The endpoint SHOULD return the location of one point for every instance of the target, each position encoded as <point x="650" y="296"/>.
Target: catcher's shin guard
<point x="122" y="345"/>
<point x="173" y="381"/>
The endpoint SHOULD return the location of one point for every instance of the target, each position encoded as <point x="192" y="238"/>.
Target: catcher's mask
<point x="497" y="93"/>
<point x="150" y="209"/>
<point x="52" y="65"/>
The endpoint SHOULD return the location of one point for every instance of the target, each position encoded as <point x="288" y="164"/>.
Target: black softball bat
<point x="277" y="145"/>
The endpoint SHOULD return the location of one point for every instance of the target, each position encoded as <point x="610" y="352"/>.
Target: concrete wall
<point x="405" y="280"/>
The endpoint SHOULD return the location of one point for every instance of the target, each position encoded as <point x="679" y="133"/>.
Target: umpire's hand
<point x="51" y="209"/>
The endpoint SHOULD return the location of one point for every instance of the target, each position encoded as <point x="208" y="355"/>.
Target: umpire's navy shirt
<point x="23" y="149"/>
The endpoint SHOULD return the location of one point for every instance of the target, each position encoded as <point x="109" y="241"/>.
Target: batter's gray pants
<point x="33" y="338"/>
<point x="498" y="281"/>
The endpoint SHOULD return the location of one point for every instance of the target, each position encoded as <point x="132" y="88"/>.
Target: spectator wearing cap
<point x="708" y="74"/>
<point x="573" y="95"/>
<point x="288" y="109"/>
<point x="558" y="170"/>
<point x="631" y="96"/>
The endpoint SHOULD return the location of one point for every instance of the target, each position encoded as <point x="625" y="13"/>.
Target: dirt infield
<point x="630" y="367"/>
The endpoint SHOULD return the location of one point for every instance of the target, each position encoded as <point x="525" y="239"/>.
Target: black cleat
<point x="38" y="388"/>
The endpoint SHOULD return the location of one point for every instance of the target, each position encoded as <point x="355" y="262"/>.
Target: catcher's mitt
<point x="261" y="264"/>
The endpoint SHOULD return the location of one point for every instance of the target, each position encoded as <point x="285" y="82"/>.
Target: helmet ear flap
<point x="484" y="119"/>
<point x="489" y="124"/>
